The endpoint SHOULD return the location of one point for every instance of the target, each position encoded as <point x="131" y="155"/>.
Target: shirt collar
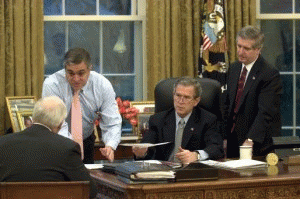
<point x="186" y="118"/>
<point x="42" y="125"/>
<point x="249" y="66"/>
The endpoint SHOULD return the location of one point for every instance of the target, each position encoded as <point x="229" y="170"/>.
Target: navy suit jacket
<point x="37" y="154"/>
<point x="200" y="133"/>
<point x="258" y="116"/>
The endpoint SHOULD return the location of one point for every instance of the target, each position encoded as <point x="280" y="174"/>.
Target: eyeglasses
<point x="183" y="98"/>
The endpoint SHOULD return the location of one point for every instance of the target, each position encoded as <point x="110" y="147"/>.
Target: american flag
<point x="206" y="42"/>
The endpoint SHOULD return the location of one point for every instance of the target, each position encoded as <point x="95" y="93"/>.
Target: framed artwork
<point x="24" y="119"/>
<point x="19" y="110"/>
<point x="143" y="123"/>
<point x="144" y="107"/>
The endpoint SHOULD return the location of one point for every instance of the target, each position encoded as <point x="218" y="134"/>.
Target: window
<point x="113" y="32"/>
<point x="280" y="21"/>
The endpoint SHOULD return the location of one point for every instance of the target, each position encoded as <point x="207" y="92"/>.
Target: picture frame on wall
<point x="19" y="109"/>
<point x="144" y="106"/>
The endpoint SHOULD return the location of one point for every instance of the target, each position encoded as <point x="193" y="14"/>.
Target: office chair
<point x="210" y="99"/>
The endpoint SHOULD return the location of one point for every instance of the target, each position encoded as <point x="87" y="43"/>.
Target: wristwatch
<point x="198" y="155"/>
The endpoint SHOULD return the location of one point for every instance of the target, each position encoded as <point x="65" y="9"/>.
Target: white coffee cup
<point x="245" y="152"/>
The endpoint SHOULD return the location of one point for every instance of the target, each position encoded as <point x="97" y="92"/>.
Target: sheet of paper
<point x="236" y="164"/>
<point x="93" y="166"/>
<point x="143" y="145"/>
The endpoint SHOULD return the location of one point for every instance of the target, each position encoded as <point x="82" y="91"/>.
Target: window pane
<point x="118" y="40"/>
<point x="52" y="7"/>
<point x="278" y="34"/>
<point x="287" y="100"/>
<point x="276" y="6"/>
<point x="115" y="7"/>
<point x="123" y="86"/>
<point x="54" y="33"/>
<point x="85" y="35"/>
<point x="298" y="100"/>
<point x="287" y="132"/>
<point x="297" y="6"/>
<point x="80" y="7"/>
<point x="297" y="49"/>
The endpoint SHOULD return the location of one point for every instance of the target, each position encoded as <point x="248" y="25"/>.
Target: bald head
<point x="50" y="111"/>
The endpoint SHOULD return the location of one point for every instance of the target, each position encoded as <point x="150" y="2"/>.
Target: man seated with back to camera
<point x="200" y="138"/>
<point x="39" y="154"/>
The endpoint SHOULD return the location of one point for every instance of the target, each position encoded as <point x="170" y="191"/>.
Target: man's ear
<point x="197" y="100"/>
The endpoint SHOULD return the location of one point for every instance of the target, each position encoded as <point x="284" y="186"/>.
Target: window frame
<point x="294" y="73"/>
<point x="138" y="14"/>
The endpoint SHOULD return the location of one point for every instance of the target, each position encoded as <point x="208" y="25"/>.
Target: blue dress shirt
<point x="97" y="96"/>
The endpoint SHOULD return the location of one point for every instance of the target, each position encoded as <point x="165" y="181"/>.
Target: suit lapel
<point x="169" y="128"/>
<point x="250" y="80"/>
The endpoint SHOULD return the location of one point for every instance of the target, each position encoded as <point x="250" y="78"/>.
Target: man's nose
<point x="76" y="77"/>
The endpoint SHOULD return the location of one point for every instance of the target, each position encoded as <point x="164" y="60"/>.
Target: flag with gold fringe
<point x="213" y="50"/>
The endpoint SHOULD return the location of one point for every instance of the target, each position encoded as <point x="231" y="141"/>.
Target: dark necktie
<point x="239" y="93"/>
<point x="178" y="139"/>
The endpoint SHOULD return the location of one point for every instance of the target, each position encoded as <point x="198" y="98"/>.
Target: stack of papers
<point x="236" y="164"/>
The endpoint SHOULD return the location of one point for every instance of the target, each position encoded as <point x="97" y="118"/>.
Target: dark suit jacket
<point x="200" y="133"/>
<point x="258" y="116"/>
<point x="37" y="154"/>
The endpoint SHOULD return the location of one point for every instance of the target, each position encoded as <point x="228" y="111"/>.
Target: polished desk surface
<point x="281" y="181"/>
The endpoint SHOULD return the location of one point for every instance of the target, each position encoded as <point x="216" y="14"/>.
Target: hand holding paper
<point x="140" y="149"/>
<point x="139" y="152"/>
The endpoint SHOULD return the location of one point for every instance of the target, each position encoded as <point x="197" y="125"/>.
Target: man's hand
<point x="108" y="152"/>
<point x="248" y="143"/>
<point x="186" y="156"/>
<point x="139" y="152"/>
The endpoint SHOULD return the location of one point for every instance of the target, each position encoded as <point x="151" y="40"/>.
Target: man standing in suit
<point x="39" y="154"/>
<point x="199" y="139"/>
<point x="252" y="105"/>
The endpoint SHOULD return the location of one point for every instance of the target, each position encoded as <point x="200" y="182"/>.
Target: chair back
<point x="210" y="99"/>
<point x="45" y="190"/>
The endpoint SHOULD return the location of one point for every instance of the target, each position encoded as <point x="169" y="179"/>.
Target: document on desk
<point x="93" y="166"/>
<point x="236" y="164"/>
<point x="143" y="145"/>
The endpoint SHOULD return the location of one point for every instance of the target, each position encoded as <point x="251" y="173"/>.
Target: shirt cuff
<point x="203" y="155"/>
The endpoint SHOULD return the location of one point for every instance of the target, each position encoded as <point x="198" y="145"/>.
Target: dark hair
<point x="76" y="56"/>
<point x="252" y="33"/>
<point x="189" y="81"/>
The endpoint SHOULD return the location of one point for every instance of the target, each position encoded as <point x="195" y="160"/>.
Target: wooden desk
<point x="231" y="185"/>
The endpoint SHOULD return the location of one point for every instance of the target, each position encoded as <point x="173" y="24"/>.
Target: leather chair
<point x="45" y="190"/>
<point x="210" y="99"/>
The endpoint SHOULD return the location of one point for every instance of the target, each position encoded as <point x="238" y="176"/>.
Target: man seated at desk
<point x="39" y="154"/>
<point x="193" y="132"/>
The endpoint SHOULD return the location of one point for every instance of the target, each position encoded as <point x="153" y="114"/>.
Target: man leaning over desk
<point x="76" y="82"/>
<point x="199" y="138"/>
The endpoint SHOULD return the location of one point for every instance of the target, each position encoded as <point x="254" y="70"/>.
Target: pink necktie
<point x="76" y="121"/>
